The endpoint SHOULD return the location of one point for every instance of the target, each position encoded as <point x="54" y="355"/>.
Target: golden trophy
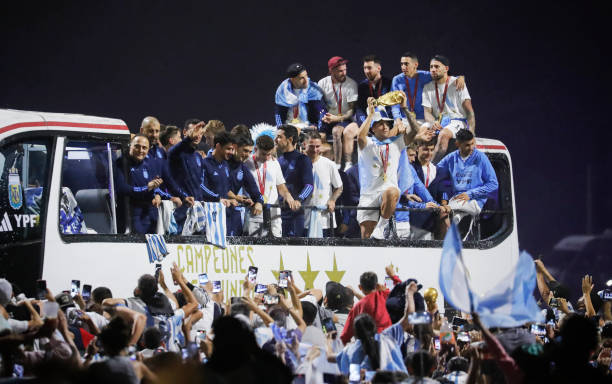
<point x="430" y="295"/>
<point x="390" y="98"/>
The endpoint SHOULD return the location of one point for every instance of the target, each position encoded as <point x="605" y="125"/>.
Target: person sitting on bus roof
<point x="472" y="176"/>
<point x="216" y="173"/>
<point x="151" y="128"/>
<point x="241" y="179"/>
<point x="378" y="164"/>
<point x="270" y="182"/>
<point x="142" y="186"/>
<point x="447" y="107"/>
<point x="297" y="171"/>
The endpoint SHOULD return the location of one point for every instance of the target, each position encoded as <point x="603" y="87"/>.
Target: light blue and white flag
<point x="215" y="223"/>
<point x="156" y="248"/>
<point x="454" y="278"/>
<point x="511" y="302"/>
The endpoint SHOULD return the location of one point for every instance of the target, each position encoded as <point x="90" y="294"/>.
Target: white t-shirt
<point x="273" y="175"/>
<point x="371" y="170"/>
<point x="325" y="176"/>
<point x="453" y="107"/>
<point x="428" y="178"/>
<point x="346" y="90"/>
<point x="99" y="320"/>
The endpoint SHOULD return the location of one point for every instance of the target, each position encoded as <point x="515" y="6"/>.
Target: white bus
<point x="43" y="154"/>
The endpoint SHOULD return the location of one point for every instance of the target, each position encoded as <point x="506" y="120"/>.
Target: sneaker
<point x="347" y="165"/>
<point x="379" y="231"/>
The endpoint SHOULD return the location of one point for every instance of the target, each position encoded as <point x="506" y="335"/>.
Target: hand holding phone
<point x="252" y="274"/>
<point x="86" y="292"/>
<point x="75" y="287"/>
<point x="41" y="289"/>
<point x="216" y="286"/>
<point x="202" y="278"/>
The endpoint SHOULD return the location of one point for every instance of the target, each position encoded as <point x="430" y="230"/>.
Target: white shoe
<point x="379" y="230"/>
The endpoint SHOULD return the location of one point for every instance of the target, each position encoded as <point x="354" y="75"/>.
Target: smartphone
<point x="190" y="351"/>
<point x="270" y="299"/>
<point x="459" y="321"/>
<point x="75" y="287"/>
<point x="41" y="289"/>
<point x="328" y="325"/>
<point x="157" y="270"/>
<point x="282" y="278"/>
<point x="421" y="317"/>
<point x="464" y="337"/>
<point x="252" y="274"/>
<point x="202" y="334"/>
<point x="607" y="295"/>
<point x="553" y="302"/>
<point x="86" y="292"/>
<point x="202" y="278"/>
<point x="261" y="288"/>
<point x="538" y="329"/>
<point x="389" y="283"/>
<point x="437" y="343"/>
<point x="235" y="300"/>
<point x="354" y="373"/>
<point x="216" y="286"/>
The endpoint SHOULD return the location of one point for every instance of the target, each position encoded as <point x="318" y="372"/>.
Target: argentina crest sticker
<point x="14" y="189"/>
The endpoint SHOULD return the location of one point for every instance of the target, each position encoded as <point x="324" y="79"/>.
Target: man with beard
<point x="374" y="85"/>
<point x="298" y="100"/>
<point x="151" y="128"/>
<point x="215" y="171"/>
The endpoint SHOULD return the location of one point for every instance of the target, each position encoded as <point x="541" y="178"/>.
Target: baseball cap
<point x="295" y="69"/>
<point x="380" y="114"/>
<point x="337" y="295"/>
<point x="64" y="300"/>
<point x="335" y="61"/>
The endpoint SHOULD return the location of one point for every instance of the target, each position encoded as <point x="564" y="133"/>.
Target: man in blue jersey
<point x="472" y="176"/>
<point x="297" y="172"/>
<point x="411" y="81"/>
<point x="143" y="185"/>
<point x="298" y="100"/>
<point x="216" y="173"/>
<point x="241" y="180"/>
<point x="151" y="128"/>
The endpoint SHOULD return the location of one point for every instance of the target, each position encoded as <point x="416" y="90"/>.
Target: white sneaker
<point x="379" y="230"/>
<point x="347" y="165"/>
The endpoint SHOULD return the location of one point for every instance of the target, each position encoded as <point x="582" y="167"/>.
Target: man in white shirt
<point x="378" y="163"/>
<point x="446" y="108"/>
<point x="340" y="92"/>
<point x="327" y="188"/>
<point x="269" y="177"/>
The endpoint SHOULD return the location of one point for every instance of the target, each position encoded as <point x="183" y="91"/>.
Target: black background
<point x="537" y="72"/>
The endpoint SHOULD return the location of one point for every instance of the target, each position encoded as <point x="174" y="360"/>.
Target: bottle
<point x="446" y="333"/>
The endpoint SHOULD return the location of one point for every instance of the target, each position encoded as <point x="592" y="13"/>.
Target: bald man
<point x="151" y="128"/>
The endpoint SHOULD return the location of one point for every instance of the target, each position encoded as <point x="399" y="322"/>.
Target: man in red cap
<point x="340" y="93"/>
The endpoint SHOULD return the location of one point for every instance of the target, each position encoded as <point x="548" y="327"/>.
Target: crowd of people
<point x="287" y="181"/>
<point x="278" y="333"/>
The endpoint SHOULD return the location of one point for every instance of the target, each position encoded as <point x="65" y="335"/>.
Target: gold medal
<point x="295" y="121"/>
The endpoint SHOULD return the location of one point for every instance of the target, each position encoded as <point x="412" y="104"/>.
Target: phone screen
<point x="202" y="334"/>
<point x="252" y="274"/>
<point x="216" y="286"/>
<point x="459" y="321"/>
<point x="437" y="344"/>
<point x="464" y="337"/>
<point x="202" y="278"/>
<point x="86" y="292"/>
<point x="538" y="329"/>
<point x="328" y="325"/>
<point x="270" y="299"/>
<point x="41" y="289"/>
<point x="282" y="278"/>
<point x="389" y="283"/>
<point x="261" y="288"/>
<point x="354" y="373"/>
<point x="75" y="287"/>
<point x="422" y="317"/>
<point x="157" y="270"/>
<point x="607" y="294"/>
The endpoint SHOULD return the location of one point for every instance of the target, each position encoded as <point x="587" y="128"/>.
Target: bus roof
<point x="14" y="121"/>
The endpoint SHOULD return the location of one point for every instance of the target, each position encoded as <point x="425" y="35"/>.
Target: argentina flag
<point x="215" y="223"/>
<point x="454" y="279"/>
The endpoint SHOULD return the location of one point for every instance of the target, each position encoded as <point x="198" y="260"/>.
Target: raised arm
<point x="365" y="126"/>
<point x="470" y="116"/>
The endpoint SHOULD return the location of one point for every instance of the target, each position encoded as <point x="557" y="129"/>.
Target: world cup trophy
<point x="390" y="98"/>
<point x="430" y="295"/>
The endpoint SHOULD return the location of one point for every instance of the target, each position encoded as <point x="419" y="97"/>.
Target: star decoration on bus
<point x="335" y="274"/>
<point x="308" y="275"/>
<point x="281" y="267"/>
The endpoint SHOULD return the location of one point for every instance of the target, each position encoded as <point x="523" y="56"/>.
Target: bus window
<point x="86" y="203"/>
<point x="23" y="183"/>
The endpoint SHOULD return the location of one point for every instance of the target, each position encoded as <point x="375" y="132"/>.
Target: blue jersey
<point x="241" y="178"/>
<point x="186" y="167"/>
<point x="157" y="152"/>
<point x="474" y="175"/>
<point x="399" y="84"/>
<point x="215" y="179"/>
<point x="297" y="171"/>
<point x="417" y="188"/>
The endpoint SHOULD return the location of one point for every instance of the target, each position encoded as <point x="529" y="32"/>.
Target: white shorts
<point x="369" y="201"/>
<point x="454" y="126"/>
<point x="417" y="233"/>
<point x="402" y="228"/>
<point x="258" y="229"/>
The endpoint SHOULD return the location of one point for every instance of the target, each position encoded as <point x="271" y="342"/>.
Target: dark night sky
<point x="535" y="72"/>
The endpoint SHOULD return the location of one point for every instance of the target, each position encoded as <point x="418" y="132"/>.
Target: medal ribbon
<point x="261" y="181"/>
<point x="379" y="85"/>
<point x="338" y="97"/>
<point x="412" y="98"/>
<point x="385" y="160"/>
<point x="427" y="180"/>
<point x="441" y="106"/>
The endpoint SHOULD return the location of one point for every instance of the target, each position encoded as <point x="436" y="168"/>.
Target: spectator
<point x="169" y="137"/>
<point x="472" y="176"/>
<point x="327" y="188"/>
<point x="339" y="299"/>
<point x="151" y="128"/>
<point x="372" y="303"/>
<point x="270" y="182"/>
<point x="241" y="130"/>
<point x="143" y="186"/>
<point x="241" y="179"/>
<point x="298" y="100"/>
<point x="374" y="85"/>
<point x="421" y="366"/>
<point x="312" y="335"/>
<point x="447" y="108"/>
<point x="340" y="96"/>
<point x="379" y="161"/>
<point x="297" y="171"/>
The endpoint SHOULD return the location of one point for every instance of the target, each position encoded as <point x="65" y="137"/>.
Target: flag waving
<point x="454" y="279"/>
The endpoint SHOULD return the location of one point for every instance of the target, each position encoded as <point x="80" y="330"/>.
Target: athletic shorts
<point x="327" y="128"/>
<point x="369" y="201"/>
<point x="454" y="126"/>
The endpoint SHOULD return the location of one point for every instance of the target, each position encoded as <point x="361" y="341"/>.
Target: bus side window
<point x="24" y="171"/>
<point x="86" y="201"/>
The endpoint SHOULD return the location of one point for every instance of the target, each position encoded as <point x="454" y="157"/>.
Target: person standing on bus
<point x="215" y="171"/>
<point x="297" y="171"/>
<point x="271" y="183"/>
<point x="241" y="179"/>
<point x="327" y="189"/>
<point x="447" y="107"/>
<point x="143" y="186"/>
<point x="151" y="128"/>
<point x="472" y="176"/>
<point x="378" y="165"/>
